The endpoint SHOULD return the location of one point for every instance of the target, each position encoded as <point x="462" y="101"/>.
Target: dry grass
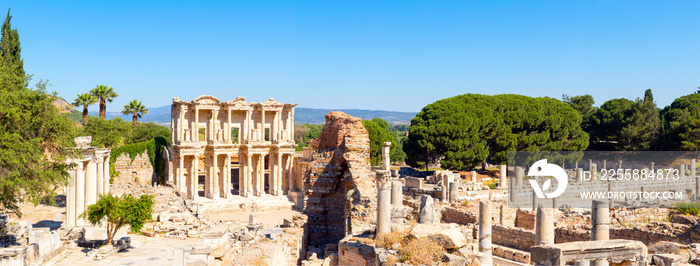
<point x="421" y="251"/>
<point x="386" y="240"/>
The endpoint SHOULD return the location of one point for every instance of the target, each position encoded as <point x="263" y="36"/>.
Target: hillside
<point x="161" y="115"/>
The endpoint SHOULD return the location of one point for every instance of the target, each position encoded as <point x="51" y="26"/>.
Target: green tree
<point x="107" y="133"/>
<point x="137" y="109"/>
<point x="105" y="94"/>
<point x="378" y="134"/>
<point x="32" y="136"/>
<point x="466" y="130"/>
<point x="84" y="99"/>
<point x="622" y="124"/>
<point x="303" y="134"/>
<point x="12" y="65"/>
<point x="118" y="212"/>
<point x="584" y="105"/>
<point x="147" y="131"/>
<point x="682" y="120"/>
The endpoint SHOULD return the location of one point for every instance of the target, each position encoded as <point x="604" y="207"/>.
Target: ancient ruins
<point x="89" y="179"/>
<point x="237" y="147"/>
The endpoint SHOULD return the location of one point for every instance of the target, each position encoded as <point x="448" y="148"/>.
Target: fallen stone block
<point x="454" y="260"/>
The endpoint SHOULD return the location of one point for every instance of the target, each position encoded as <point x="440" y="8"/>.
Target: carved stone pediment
<point x="206" y="99"/>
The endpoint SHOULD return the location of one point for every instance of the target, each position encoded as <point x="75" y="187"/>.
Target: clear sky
<point x="380" y="55"/>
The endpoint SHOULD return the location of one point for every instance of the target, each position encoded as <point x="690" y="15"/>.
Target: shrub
<point x="688" y="208"/>
<point x="386" y="240"/>
<point x="421" y="251"/>
<point x="118" y="212"/>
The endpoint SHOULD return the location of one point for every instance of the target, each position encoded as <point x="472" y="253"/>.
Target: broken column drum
<point x="544" y="226"/>
<point x="396" y="193"/>
<point x="383" y="201"/>
<point x="485" y="256"/>
<point x="386" y="160"/>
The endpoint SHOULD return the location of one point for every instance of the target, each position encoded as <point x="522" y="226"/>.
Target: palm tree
<point x="105" y="94"/>
<point x="135" y="107"/>
<point x="84" y="99"/>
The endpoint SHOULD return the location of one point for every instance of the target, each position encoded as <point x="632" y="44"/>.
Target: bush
<point x="386" y="240"/>
<point x="118" y="212"/>
<point x="421" y="251"/>
<point x="688" y="208"/>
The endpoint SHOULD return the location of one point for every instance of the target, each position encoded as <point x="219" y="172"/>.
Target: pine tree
<point x="12" y="64"/>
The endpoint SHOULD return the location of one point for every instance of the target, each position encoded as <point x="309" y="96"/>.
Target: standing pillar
<point x="210" y="169"/>
<point x="519" y="174"/>
<point x="473" y="176"/>
<point x="182" y="182"/>
<point x="502" y="180"/>
<point x="79" y="192"/>
<point x="386" y="160"/>
<point x="106" y="176"/>
<point x="454" y="191"/>
<point x="90" y="183"/>
<point x="590" y="165"/>
<point x="226" y="178"/>
<point x="249" y="175"/>
<point x="70" y="199"/>
<point x="579" y="175"/>
<point x="278" y="172"/>
<point x="194" y="188"/>
<point x="100" y="176"/>
<point x="544" y="226"/>
<point x="290" y="172"/>
<point x="605" y="164"/>
<point x="485" y="257"/>
<point x="600" y="217"/>
<point x="396" y="193"/>
<point x="500" y="216"/>
<point x="651" y="166"/>
<point x="534" y="198"/>
<point x="383" y="201"/>
<point x="619" y="164"/>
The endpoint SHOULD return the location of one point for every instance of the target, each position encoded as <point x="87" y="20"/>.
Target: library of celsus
<point x="233" y="148"/>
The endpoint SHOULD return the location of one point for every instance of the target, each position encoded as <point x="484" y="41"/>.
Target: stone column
<point x="90" y="183"/>
<point x="473" y="176"/>
<point x="100" y="186"/>
<point x="249" y="176"/>
<point x="590" y="165"/>
<point x="226" y="180"/>
<point x="651" y="166"/>
<point x="619" y="164"/>
<point x="544" y="226"/>
<point x="502" y="178"/>
<point x="195" y="130"/>
<point x="519" y="174"/>
<point x="182" y="183"/>
<point x="500" y="216"/>
<point x="444" y="196"/>
<point x="278" y="178"/>
<point x="290" y="172"/>
<point x="79" y="192"/>
<point x="485" y="257"/>
<point x="106" y="176"/>
<point x="210" y="167"/>
<point x="396" y="193"/>
<point x="386" y="160"/>
<point x="600" y="218"/>
<point x="383" y="201"/>
<point x="605" y="164"/>
<point x="454" y="191"/>
<point x="579" y="175"/>
<point x="70" y="199"/>
<point x="194" y="189"/>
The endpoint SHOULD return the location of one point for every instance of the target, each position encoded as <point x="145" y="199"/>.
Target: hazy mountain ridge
<point x="161" y="115"/>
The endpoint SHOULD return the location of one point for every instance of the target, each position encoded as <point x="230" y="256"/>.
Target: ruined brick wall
<point x="524" y="219"/>
<point x="338" y="184"/>
<point x="138" y="171"/>
<point x="355" y="251"/>
<point x="463" y="217"/>
<point x="513" y="237"/>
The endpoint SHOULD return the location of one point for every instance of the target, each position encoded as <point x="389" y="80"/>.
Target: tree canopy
<point x="118" y="212"/>
<point x="682" y="121"/>
<point x="105" y="94"/>
<point x="32" y="133"/>
<point x="136" y="109"/>
<point x="622" y="124"/>
<point x="378" y="134"/>
<point x="84" y="100"/>
<point x="466" y="130"/>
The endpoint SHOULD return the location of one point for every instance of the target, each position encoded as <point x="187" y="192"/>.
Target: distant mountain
<point x="161" y="115"/>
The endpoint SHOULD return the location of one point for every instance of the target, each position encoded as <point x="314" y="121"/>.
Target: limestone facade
<point x="88" y="179"/>
<point x="238" y="147"/>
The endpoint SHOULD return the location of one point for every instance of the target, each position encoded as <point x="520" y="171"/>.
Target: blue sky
<point x="380" y="55"/>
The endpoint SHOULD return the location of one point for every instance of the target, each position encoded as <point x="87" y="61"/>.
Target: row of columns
<point x="250" y="129"/>
<point x="252" y="179"/>
<point x="88" y="179"/>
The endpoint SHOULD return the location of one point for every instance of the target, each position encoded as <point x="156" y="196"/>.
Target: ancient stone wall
<point x="513" y="237"/>
<point x="453" y="215"/>
<point x="338" y="184"/>
<point x="138" y="171"/>
<point x="524" y="219"/>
